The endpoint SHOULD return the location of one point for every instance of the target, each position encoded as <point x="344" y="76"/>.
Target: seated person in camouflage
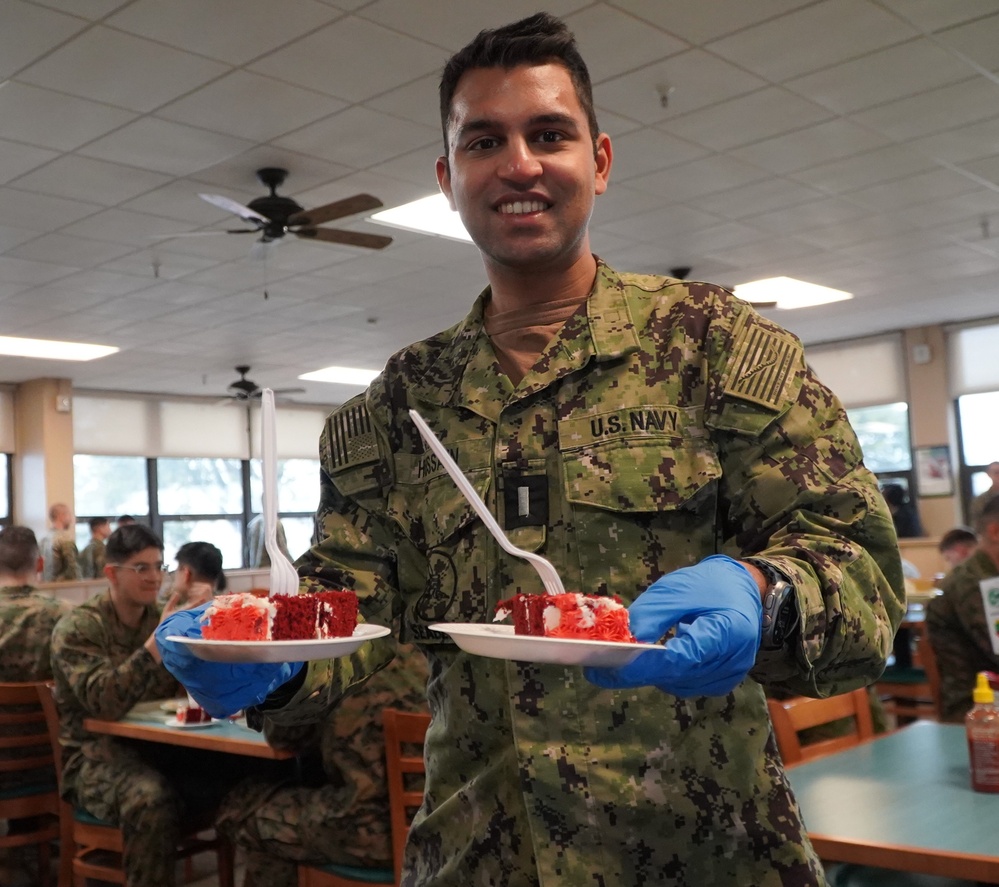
<point x="26" y="622"/>
<point x="337" y="810"/>
<point x="105" y="661"/>
<point x="956" y="622"/>
<point x="92" y="557"/>
<point x="957" y="545"/>
<point x="60" y="557"/>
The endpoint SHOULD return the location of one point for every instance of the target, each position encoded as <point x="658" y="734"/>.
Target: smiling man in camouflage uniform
<point x="656" y="440"/>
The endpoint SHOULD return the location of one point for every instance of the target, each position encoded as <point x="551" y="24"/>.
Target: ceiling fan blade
<point x="288" y="390"/>
<point x="336" y="210"/>
<point x="204" y="233"/>
<point x="231" y="206"/>
<point x="351" y="238"/>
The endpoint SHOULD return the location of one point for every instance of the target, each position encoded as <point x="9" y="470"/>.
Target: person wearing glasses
<point x="104" y="661"/>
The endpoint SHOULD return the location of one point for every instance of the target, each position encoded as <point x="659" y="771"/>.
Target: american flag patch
<point x="761" y="364"/>
<point x="351" y="438"/>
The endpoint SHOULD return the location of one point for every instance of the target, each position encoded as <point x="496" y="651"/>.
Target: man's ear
<point x="444" y="179"/>
<point x="110" y="575"/>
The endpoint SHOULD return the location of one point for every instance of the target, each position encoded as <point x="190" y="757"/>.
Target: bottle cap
<point x="983" y="693"/>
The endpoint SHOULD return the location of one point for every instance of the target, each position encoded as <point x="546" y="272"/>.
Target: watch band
<point x="780" y="615"/>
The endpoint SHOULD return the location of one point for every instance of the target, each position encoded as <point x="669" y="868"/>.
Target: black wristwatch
<point x="780" y="615"/>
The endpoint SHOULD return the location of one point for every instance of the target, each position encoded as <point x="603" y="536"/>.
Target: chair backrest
<point x="25" y="750"/>
<point x="403" y="769"/>
<point x="791" y="716"/>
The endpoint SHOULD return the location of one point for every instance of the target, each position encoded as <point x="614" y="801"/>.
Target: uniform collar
<point x="466" y="373"/>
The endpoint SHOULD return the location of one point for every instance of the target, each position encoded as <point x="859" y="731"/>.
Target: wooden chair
<point x="26" y="761"/>
<point x="92" y="848"/>
<point x="790" y="716"/>
<point x="401" y="729"/>
<point x="911" y="693"/>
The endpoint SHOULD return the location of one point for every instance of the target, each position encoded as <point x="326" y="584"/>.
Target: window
<point x="298" y="498"/>
<point x="976" y="416"/>
<point x="883" y="432"/>
<point x="224" y="534"/>
<point x="5" y="490"/>
<point x="107" y="486"/>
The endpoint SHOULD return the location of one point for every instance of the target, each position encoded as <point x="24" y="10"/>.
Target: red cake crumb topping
<point x="578" y="616"/>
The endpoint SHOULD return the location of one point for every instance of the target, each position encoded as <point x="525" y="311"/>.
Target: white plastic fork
<point x="547" y="572"/>
<point x="284" y="577"/>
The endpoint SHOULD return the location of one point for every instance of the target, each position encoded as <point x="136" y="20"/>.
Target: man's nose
<point x="520" y="161"/>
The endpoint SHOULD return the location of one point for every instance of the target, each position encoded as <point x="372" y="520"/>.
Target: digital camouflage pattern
<point x="343" y="815"/>
<point x="667" y="421"/>
<point x="26" y="622"/>
<point x="92" y="560"/>
<point x="59" y="557"/>
<point x="960" y="634"/>
<point x="101" y="670"/>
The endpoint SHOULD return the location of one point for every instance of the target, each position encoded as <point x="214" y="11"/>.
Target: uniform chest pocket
<point x="639" y="475"/>
<point x="427" y="504"/>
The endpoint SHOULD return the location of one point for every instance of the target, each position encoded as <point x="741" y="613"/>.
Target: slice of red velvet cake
<point x="578" y="616"/>
<point x="292" y="617"/>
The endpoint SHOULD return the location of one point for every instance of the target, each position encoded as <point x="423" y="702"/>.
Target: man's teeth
<point x="523" y="206"/>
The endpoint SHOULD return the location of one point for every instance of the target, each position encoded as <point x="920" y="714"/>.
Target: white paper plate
<point x="171" y="705"/>
<point x="499" y="642"/>
<point x="281" y="651"/>
<point x="173" y="722"/>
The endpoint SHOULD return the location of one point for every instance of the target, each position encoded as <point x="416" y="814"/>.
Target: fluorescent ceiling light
<point x="49" y="349"/>
<point x="341" y="375"/>
<point x="428" y="215"/>
<point x="786" y="292"/>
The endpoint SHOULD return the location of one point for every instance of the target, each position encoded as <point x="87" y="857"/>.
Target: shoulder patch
<point x="350" y="437"/>
<point x="762" y="361"/>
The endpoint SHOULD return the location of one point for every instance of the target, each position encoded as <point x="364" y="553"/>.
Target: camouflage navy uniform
<point x="960" y="634"/>
<point x="102" y="670"/>
<point x="667" y="421"/>
<point x="26" y="622"/>
<point x="59" y="557"/>
<point x="92" y="560"/>
<point x="341" y="813"/>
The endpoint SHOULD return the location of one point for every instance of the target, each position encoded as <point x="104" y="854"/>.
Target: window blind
<point x="864" y="373"/>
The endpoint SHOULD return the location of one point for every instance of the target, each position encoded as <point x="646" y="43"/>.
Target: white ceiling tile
<point x="757" y="197"/>
<point x="461" y="23"/>
<point x="29" y="271"/>
<point x="250" y="106"/>
<point x="620" y="201"/>
<point x="417" y="101"/>
<point x="83" y="178"/>
<point x="53" y="120"/>
<point x="179" y="200"/>
<point x="809" y="147"/>
<point x="762" y="114"/>
<point x="70" y="250"/>
<point x="884" y="76"/>
<point x="953" y="209"/>
<point x="808" y="39"/>
<point x="949" y="106"/>
<point x="932" y="15"/>
<point x="986" y="168"/>
<point x="359" y="137"/>
<point x="122" y="226"/>
<point x="11" y="236"/>
<point x="416" y="169"/>
<point x="152" y="264"/>
<point x="661" y="225"/>
<point x="977" y="40"/>
<point x="648" y="150"/>
<point x="347" y="60"/>
<point x="699" y="177"/>
<point x="688" y="20"/>
<point x="864" y="170"/>
<point x="39" y="212"/>
<point x="211" y="28"/>
<point x="92" y="10"/>
<point x="600" y="26"/>
<point x="698" y="79"/>
<point x="237" y="176"/>
<point x="100" y="282"/>
<point x="165" y="147"/>
<point x="28" y="31"/>
<point x="962" y="144"/>
<point x="16" y="160"/>
<point x="101" y="64"/>
<point x="912" y="190"/>
<point x="812" y="214"/>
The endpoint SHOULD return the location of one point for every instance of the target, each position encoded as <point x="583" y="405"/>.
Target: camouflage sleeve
<point x="354" y="549"/>
<point x="795" y="495"/>
<point x="64" y="554"/>
<point x="81" y="654"/>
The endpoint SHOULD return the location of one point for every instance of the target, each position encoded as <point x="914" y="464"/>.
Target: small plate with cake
<point x="281" y="628"/>
<point x="558" y="629"/>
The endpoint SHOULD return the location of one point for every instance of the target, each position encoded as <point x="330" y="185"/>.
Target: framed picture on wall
<point x="933" y="474"/>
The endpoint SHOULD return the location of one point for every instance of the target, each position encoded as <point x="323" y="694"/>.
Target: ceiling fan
<point x="273" y="216"/>
<point x="244" y="390"/>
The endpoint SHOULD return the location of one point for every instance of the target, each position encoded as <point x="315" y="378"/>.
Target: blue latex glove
<point x="715" y="606"/>
<point x="221" y="688"/>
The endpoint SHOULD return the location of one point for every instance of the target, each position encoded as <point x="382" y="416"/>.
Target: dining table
<point x="154" y="721"/>
<point x="901" y="801"/>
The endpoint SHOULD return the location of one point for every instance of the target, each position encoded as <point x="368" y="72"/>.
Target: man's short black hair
<point x="204" y="560"/>
<point x="128" y="540"/>
<point x="18" y="550"/>
<point x="96" y="522"/>
<point x="536" y="40"/>
<point x="957" y="536"/>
